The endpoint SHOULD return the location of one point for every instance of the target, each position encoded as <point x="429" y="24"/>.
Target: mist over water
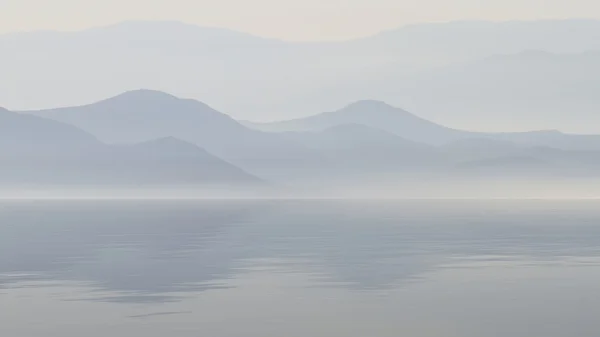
<point x="423" y="187"/>
<point x="297" y="268"/>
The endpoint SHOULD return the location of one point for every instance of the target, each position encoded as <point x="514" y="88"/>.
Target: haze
<point x="284" y="19"/>
<point x="317" y="168"/>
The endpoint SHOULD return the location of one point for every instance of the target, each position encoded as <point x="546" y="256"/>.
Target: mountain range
<point x="150" y="137"/>
<point x="511" y="76"/>
<point x="400" y="122"/>
<point x="35" y="150"/>
<point x="145" y="115"/>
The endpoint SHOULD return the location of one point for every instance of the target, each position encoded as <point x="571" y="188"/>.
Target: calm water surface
<point x="300" y="268"/>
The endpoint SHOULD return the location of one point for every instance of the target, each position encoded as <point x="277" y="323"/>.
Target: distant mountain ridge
<point x="482" y="74"/>
<point x="360" y="141"/>
<point x="371" y="113"/>
<point x="20" y="134"/>
<point x="356" y="148"/>
<point x="143" y="115"/>
<point x="35" y="150"/>
<point x="402" y="123"/>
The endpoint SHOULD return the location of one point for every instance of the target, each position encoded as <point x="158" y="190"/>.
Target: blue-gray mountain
<point x="361" y="140"/>
<point x="400" y="122"/>
<point x="35" y="150"/>
<point x="144" y="115"/>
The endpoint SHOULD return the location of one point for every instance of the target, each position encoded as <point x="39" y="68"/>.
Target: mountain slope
<point x="382" y="116"/>
<point x="371" y="113"/>
<point x="352" y="136"/>
<point x="360" y="149"/>
<point x="36" y="150"/>
<point x="168" y="161"/>
<point x="21" y="134"/>
<point x="143" y="115"/>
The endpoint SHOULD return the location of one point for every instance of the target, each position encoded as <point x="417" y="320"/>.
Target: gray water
<point x="300" y="268"/>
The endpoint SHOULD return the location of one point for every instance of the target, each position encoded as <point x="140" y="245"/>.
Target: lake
<point x="300" y="268"/>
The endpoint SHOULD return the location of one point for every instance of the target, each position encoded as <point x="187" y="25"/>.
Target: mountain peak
<point x="153" y="98"/>
<point x="144" y="94"/>
<point x="378" y="115"/>
<point x="370" y="107"/>
<point x="157" y="102"/>
<point x="147" y="98"/>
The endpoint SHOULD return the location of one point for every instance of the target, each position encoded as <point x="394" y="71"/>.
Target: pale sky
<point x="285" y="19"/>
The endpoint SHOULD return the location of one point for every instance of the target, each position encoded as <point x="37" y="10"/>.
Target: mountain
<point x="23" y="134"/>
<point x="153" y="138"/>
<point x="168" y="161"/>
<point x="498" y="158"/>
<point x="144" y="115"/>
<point x="379" y="115"/>
<point x="35" y="150"/>
<point x="353" y="136"/>
<point x="374" y="114"/>
<point x="482" y="149"/>
<point x="440" y="70"/>
<point x="362" y="149"/>
<point x="72" y="68"/>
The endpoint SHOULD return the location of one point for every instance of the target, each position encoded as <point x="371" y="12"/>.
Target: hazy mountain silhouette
<point x="363" y="138"/>
<point x="359" y="148"/>
<point x="36" y="150"/>
<point x="23" y="134"/>
<point x="70" y="68"/>
<point x="144" y="115"/>
<point x="382" y="116"/>
<point x="496" y="159"/>
<point x="173" y="161"/>
<point x="443" y="69"/>
<point x="150" y="137"/>
<point x="353" y="136"/>
<point x="375" y="114"/>
<point x="470" y="149"/>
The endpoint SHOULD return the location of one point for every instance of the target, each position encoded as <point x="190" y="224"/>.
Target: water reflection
<point x="158" y="251"/>
<point x="139" y="251"/>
